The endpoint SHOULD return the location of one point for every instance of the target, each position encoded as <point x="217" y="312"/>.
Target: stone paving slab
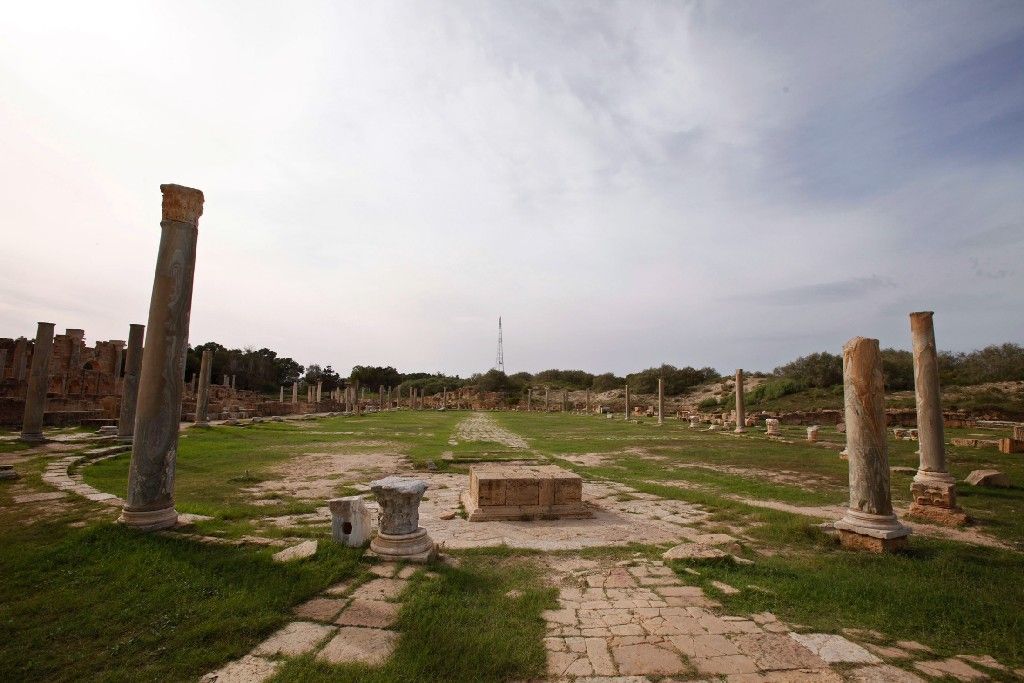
<point x="248" y="669"/>
<point x="297" y="638"/>
<point x="320" y="609"/>
<point x="834" y="649"/>
<point x="369" y="613"/>
<point x="361" y="645"/>
<point x="380" y="589"/>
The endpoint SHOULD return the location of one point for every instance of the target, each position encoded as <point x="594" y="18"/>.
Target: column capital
<point x="182" y="204"/>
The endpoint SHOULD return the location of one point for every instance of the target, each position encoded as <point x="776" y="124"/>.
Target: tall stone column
<point x="529" y="399"/>
<point x="565" y="401"/>
<point x="741" y="411"/>
<point x="869" y="523"/>
<point x="627" y="401"/>
<point x="203" y="395"/>
<point x="232" y="384"/>
<point x="588" y="401"/>
<point x="661" y="401"/>
<point x="355" y="397"/>
<point x="20" y="352"/>
<point x="295" y="393"/>
<point x="319" y="391"/>
<point x="933" y="489"/>
<point x="281" y="398"/>
<point x="547" y="391"/>
<point x="150" y="501"/>
<point x="38" y="382"/>
<point x="130" y="385"/>
<point x="381" y="398"/>
<point x="118" y="350"/>
<point x="444" y="398"/>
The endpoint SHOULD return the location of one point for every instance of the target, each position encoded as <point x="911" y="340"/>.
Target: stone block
<point x="1011" y="445"/>
<point x="296" y="552"/>
<point x="361" y="645"/>
<point x="854" y="541"/>
<point x="934" y="493"/>
<point x="989" y="478"/>
<point x="350" y="521"/>
<point x="510" y="492"/>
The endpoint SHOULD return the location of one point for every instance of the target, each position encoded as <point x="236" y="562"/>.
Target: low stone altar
<point x="517" y="492"/>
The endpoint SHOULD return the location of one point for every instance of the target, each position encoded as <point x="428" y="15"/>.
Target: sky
<point x="726" y="184"/>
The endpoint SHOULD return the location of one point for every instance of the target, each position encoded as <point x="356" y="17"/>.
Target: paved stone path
<point x="350" y="622"/>
<point x="482" y="427"/>
<point x="56" y="475"/>
<point x="636" y="619"/>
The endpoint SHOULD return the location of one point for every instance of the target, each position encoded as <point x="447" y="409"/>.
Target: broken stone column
<point x="812" y="433"/>
<point x="295" y="393"/>
<point x="319" y="391"/>
<point x="529" y="399"/>
<point x="741" y="413"/>
<point x="38" y="383"/>
<point x="118" y="346"/>
<point x="661" y="401"/>
<point x="150" y="500"/>
<point x="399" y="535"/>
<point x="203" y="397"/>
<point x="869" y="523"/>
<point x="933" y="489"/>
<point x="350" y="521"/>
<point x="771" y="427"/>
<point x="130" y="385"/>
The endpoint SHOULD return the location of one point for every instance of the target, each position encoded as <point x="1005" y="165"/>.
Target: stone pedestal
<point x="812" y="434"/>
<point x="933" y="488"/>
<point x="694" y="421"/>
<point x="771" y="426"/>
<point x="741" y="412"/>
<point x="38" y="379"/>
<point x="399" y="535"/>
<point x="130" y="385"/>
<point x="869" y="523"/>
<point x="150" y="500"/>
<point x="350" y="521"/>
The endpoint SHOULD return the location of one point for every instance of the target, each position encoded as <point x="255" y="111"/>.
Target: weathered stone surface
<point x="350" y="521"/>
<point x="296" y="552"/>
<point x="953" y="667"/>
<point x="832" y="648"/>
<point x="692" y="551"/>
<point x="508" y="492"/>
<point x="990" y="478"/>
<point x="882" y="673"/>
<point x="361" y="645"/>
<point x="380" y="589"/>
<point x="645" y="658"/>
<point x="297" y="638"/>
<point x="320" y="609"/>
<point x="369" y="613"/>
<point x="248" y="669"/>
<point x="399" y="499"/>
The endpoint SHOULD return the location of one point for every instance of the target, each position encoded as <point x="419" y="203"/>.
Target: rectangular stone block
<point x="523" y="492"/>
<point x="1011" y="446"/>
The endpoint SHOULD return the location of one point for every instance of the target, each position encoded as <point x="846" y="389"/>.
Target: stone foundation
<point x="523" y="492"/>
<point x="854" y="541"/>
<point x="936" y="514"/>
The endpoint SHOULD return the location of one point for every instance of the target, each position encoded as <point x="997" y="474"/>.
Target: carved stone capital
<point x="182" y="204"/>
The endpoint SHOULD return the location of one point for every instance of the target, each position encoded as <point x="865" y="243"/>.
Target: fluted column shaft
<point x="130" y="384"/>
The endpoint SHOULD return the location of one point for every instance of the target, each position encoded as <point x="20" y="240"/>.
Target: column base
<point x="149" y="520"/>
<point x="414" y="547"/>
<point x="8" y="473"/>
<point x="933" y="489"/>
<point x="943" y="516"/>
<point x="32" y="437"/>
<point x="740" y="430"/>
<point x="875" y="533"/>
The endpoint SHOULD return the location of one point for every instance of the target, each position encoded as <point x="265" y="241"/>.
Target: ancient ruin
<point x="523" y="492"/>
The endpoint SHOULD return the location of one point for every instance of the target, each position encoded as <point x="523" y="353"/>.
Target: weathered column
<point x="547" y="391"/>
<point x="18" y="362"/>
<point x="812" y="433"/>
<point x="390" y="401"/>
<point x="565" y="401"/>
<point x="869" y="523"/>
<point x="38" y="382"/>
<point x="444" y="398"/>
<point x="355" y="398"/>
<point x="150" y="501"/>
<point x="588" y="401"/>
<point x="130" y="385"/>
<point x="933" y="489"/>
<point x="118" y="358"/>
<point x="232" y="384"/>
<point x="399" y="535"/>
<point x="627" y="401"/>
<point x="380" y="400"/>
<point x="319" y="391"/>
<point x="529" y="399"/>
<point x="281" y="398"/>
<point x="741" y="412"/>
<point x="771" y="427"/>
<point x="203" y="395"/>
<point x="295" y="393"/>
<point x="192" y="384"/>
<point x="661" y="401"/>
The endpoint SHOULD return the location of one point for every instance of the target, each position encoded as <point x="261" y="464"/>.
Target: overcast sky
<point x="727" y="184"/>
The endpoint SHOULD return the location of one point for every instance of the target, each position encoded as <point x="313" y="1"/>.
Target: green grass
<point x="461" y="626"/>
<point x="107" y="603"/>
<point x="957" y="599"/>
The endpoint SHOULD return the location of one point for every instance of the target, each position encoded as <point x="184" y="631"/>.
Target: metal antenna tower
<point x="500" y="362"/>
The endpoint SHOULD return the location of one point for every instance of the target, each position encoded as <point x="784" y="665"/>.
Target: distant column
<point x="118" y="358"/>
<point x="232" y="384"/>
<point x="444" y="397"/>
<point x="295" y="393"/>
<point x="565" y="401"/>
<point x="355" y="398"/>
<point x="933" y="489"/>
<point x="18" y="362"/>
<point x="390" y="401"/>
<point x="281" y="399"/>
<point x="381" y="399"/>
<point x="869" y="523"/>
<point x="741" y="413"/>
<point x="661" y="401"/>
<point x="38" y="382"/>
<point x="627" y="401"/>
<point x="319" y="391"/>
<point x="203" y="395"/>
<point x="130" y="385"/>
<point x="529" y="399"/>
<point x="150" y="500"/>
<point x="192" y="384"/>
<point x="546" y="402"/>
<point x="588" y="401"/>
<point x="3" y="364"/>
